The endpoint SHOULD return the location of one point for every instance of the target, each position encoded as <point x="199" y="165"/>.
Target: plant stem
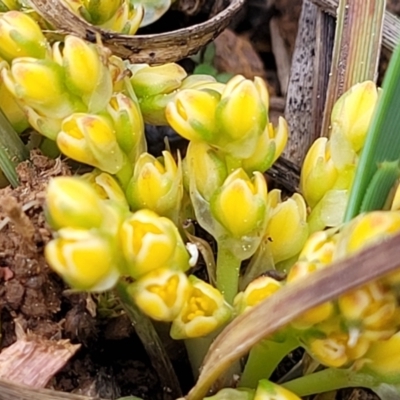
<point x="152" y="343"/>
<point x="263" y="360"/>
<point x="12" y="150"/>
<point x="228" y="267"/>
<point x="197" y="349"/>
<point x="330" y="379"/>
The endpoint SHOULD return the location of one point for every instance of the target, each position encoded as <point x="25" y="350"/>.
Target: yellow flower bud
<point x="241" y="116"/>
<point x="320" y="247"/>
<point x="72" y="202"/>
<point x="150" y="242"/>
<point x="126" y="20"/>
<point x="382" y="359"/>
<point x="47" y="126"/>
<point x="40" y="84"/>
<point x="240" y="205"/>
<point x="161" y="79"/>
<point x="161" y="293"/>
<point x="157" y="185"/>
<point x="192" y="114"/>
<point x="257" y="290"/>
<point x="267" y="390"/>
<point x="352" y="113"/>
<point x="206" y="168"/>
<point x="101" y="11"/>
<point x="91" y="139"/>
<point x="85" y="74"/>
<point x="199" y="81"/>
<point x="86" y="259"/>
<point x="269" y="147"/>
<point x="21" y="36"/>
<point x="128" y="124"/>
<point x="318" y="173"/>
<point x="287" y="228"/>
<point x="204" y="312"/>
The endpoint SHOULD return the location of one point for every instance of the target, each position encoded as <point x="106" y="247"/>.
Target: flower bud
<point x="86" y="259"/>
<point x="126" y="20"/>
<point x="40" y="84"/>
<point x="156" y="184"/>
<point x="101" y="11"/>
<point x="91" y="139"/>
<point x="352" y="113"/>
<point x="72" y="202"/>
<point x="204" y="312"/>
<point x="318" y="173"/>
<point x="319" y="247"/>
<point x="150" y="242"/>
<point x="192" y="114"/>
<point x="161" y="79"/>
<point x="21" y="36"/>
<point x="267" y="390"/>
<point x="269" y="147"/>
<point x="240" y="205"/>
<point x="241" y="116"/>
<point x="257" y="290"/>
<point x="128" y="124"/>
<point x="161" y="293"/>
<point x="86" y="75"/>
<point x="287" y="228"/>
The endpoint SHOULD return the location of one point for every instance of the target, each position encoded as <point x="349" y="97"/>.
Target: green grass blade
<point x="382" y="142"/>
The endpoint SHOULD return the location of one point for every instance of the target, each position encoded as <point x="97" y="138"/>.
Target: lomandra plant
<point x="121" y="225"/>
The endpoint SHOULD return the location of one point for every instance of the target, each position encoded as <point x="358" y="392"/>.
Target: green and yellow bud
<point x="128" y="123"/>
<point x="161" y="294"/>
<point x="150" y="242"/>
<point x="157" y="185"/>
<point x="86" y="75"/>
<point x="319" y="247"/>
<point x="199" y="82"/>
<point x="256" y="291"/>
<point x="204" y="312"/>
<point x="91" y="139"/>
<point x="192" y="114"/>
<point x="126" y="20"/>
<point x="270" y="146"/>
<point x="21" y="36"/>
<point x="40" y="84"/>
<point x="352" y="113"/>
<point x="101" y="11"/>
<point x="240" y="205"/>
<point x="206" y="168"/>
<point x="161" y="79"/>
<point x="267" y="390"/>
<point x="86" y="259"/>
<point x="287" y="228"/>
<point x="318" y="174"/>
<point x="71" y="202"/>
<point x="241" y="115"/>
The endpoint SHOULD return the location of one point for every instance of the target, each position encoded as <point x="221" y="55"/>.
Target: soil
<point x="112" y="362"/>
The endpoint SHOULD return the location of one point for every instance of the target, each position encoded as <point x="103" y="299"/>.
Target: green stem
<point x="152" y="343"/>
<point x="330" y="379"/>
<point x="196" y="349"/>
<point x="228" y="268"/>
<point x="263" y="360"/>
<point x="12" y="150"/>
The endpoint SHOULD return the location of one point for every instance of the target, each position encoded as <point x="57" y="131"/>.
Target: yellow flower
<point x="257" y="290"/>
<point x="150" y="242"/>
<point x="40" y="84"/>
<point x="128" y="123"/>
<point x="318" y="174"/>
<point x="152" y="80"/>
<point x="161" y="293"/>
<point x="267" y="390"/>
<point x="287" y="228"/>
<point x="192" y="114"/>
<point x="21" y="36"/>
<point x="91" y="139"/>
<point x="72" y="202"/>
<point x="319" y="247"/>
<point x="241" y="115"/>
<point x="206" y="168"/>
<point x="240" y="205"/>
<point x="204" y="311"/>
<point x="86" y="259"/>
<point x="269" y="147"/>
<point x="85" y="73"/>
<point x="156" y="184"/>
